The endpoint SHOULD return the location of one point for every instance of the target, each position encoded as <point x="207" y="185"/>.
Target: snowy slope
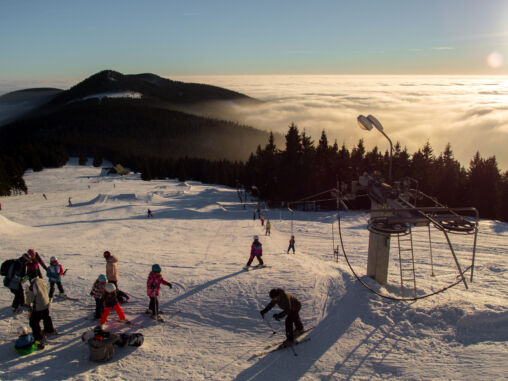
<point x="201" y="237"/>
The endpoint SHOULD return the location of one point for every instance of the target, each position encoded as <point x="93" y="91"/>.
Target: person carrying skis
<point x="256" y="250"/>
<point x="15" y="273"/>
<point x="112" y="275"/>
<point x="54" y="274"/>
<point x="111" y="301"/>
<point x="33" y="259"/>
<point x="290" y="306"/>
<point x="292" y="244"/>
<point x="268" y="227"/>
<point x="98" y="294"/>
<point x="37" y="297"/>
<point x="153" y="285"/>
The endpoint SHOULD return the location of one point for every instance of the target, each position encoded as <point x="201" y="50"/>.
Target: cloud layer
<point x="469" y="112"/>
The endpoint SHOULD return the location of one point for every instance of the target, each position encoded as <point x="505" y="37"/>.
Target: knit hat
<point x="109" y="288"/>
<point x="156" y="268"/>
<point x="102" y="278"/>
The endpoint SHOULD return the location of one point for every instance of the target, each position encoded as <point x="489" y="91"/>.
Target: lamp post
<point x="366" y="123"/>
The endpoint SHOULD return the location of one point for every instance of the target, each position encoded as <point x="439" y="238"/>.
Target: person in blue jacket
<point x="54" y="273"/>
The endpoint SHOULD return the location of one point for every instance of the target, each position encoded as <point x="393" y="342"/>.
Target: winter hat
<point x="156" y="268"/>
<point x="256" y="237"/>
<point x="109" y="288"/>
<point x="274" y="292"/>
<point x="22" y="330"/>
<point x="53" y="259"/>
<point x="107" y="253"/>
<point x="31" y="252"/>
<point x="102" y="278"/>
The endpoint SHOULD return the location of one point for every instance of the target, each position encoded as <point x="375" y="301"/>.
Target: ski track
<point x="201" y="237"/>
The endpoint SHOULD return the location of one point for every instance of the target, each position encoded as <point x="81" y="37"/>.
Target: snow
<point x="201" y="237"/>
<point x="121" y="94"/>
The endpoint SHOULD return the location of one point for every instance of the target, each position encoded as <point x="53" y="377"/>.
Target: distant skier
<point x="268" y="227"/>
<point x="256" y="250"/>
<point x="112" y="274"/>
<point x="111" y="301"/>
<point x="292" y="244"/>
<point x="70" y="203"/>
<point x="254" y="216"/>
<point x="37" y="298"/>
<point x="262" y="220"/>
<point x="153" y="285"/>
<point x="98" y="290"/>
<point x="33" y="259"/>
<point x="44" y="195"/>
<point x="149" y="214"/>
<point x="54" y="274"/>
<point x="15" y="273"/>
<point x="290" y="306"/>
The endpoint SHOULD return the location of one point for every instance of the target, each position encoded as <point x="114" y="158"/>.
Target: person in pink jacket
<point x="153" y="286"/>
<point x="112" y="275"/>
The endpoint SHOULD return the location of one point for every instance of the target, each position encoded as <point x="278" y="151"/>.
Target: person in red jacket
<point x="33" y="259"/>
<point x="153" y="286"/>
<point x="256" y="250"/>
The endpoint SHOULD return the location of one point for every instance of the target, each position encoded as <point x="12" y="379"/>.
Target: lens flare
<point x="494" y="60"/>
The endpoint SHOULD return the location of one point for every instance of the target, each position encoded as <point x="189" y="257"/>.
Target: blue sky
<point x="73" y="39"/>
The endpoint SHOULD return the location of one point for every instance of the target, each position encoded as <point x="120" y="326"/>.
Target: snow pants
<point x="19" y="297"/>
<point x="107" y="310"/>
<point x="252" y="258"/>
<point x="35" y="319"/>
<point x="293" y="318"/>
<point x="291" y="246"/>
<point x="154" y="305"/>
<point x="99" y="307"/>
<point x="52" y="288"/>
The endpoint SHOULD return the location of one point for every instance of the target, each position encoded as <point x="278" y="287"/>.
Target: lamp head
<point x="375" y="122"/>
<point x="364" y="123"/>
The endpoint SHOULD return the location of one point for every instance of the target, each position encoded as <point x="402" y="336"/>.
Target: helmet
<point x="102" y="278"/>
<point x="274" y="292"/>
<point x="256" y="237"/>
<point x="107" y="253"/>
<point x="156" y="268"/>
<point x="53" y="259"/>
<point x="109" y="288"/>
<point x="31" y="252"/>
<point x="22" y="330"/>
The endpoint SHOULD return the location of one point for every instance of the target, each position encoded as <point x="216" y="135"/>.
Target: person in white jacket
<point x="38" y="299"/>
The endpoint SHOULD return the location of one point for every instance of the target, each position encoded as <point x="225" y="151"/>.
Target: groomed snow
<point x="201" y="237"/>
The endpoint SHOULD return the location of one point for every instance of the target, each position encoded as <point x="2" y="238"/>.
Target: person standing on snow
<point x="153" y="285"/>
<point x="290" y="306"/>
<point x="54" y="274"/>
<point x="149" y="214"/>
<point x="268" y="227"/>
<point x="292" y="244"/>
<point x="256" y="250"/>
<point x="37" y="297"/>
<point x="112" y="274"/>
<point x="15" y="273"/>
<point x="33" y="259"/>
<point x="111" y="301"/>
<point x="98" y="294"/>
<point x="262" y="220"/>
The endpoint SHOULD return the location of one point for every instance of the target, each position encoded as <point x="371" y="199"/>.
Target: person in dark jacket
<point x="15" y="273"/>
<point x="101" y="344"/>
<point x="290" y="306"/>
<point x="111" y="301"/>
<point x="32" y="266"/>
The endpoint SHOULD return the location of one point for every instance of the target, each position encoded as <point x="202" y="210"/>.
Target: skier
<point x="54" y="274"/>
<point x="292" y="244"/>
<point x="25" y="344"/>
<point x="33" y="260"/>
<point x="111" y="301"/>
<point x="44" y="195"/>
<point x="290" y="306"/>
<point x="268" y="227"/>
<point x="149" y="214"/>
<point x="37" y="297"/>
<point x="262" y="220"/>
<point x="15" y="273"/>
<point x="98" y="294"/>
<point x="256" y="250"/>
<point x="112" y="274"/>
<point x="254" y="216"/>
<point x="153" y="285"/>
<point x="70" y="203"/>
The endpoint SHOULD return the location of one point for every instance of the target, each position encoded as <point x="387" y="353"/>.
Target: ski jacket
<point x="287" y="302"/>
<point x="37" y="294"/>
<point x="110" y="299"/>
<point x="112" y="268"/>
<point x="98" y="290"/>
<point x="54" y="273"/>
<point x="16" y="272"/>
<point x="24" y="341"/>
<point x="33" y="264"/>
<point x="101" y="347"/>
<point x="153" y="284"/>
<point x="292" y="242"/>
<point x="256" y="248"/>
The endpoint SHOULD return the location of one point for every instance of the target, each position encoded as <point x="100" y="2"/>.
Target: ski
<point x="250" y="268"/>
<point x="280" y="346"/>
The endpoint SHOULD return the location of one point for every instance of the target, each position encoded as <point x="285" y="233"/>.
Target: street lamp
<point x="366" y="123"/>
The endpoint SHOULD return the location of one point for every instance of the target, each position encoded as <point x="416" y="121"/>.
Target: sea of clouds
<point x="469" y="112"/>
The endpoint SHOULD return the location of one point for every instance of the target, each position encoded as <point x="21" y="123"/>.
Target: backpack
<point x="4" y="270"/>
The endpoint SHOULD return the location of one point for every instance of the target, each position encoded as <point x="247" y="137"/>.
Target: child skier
<point x="290" y="306"/>
<point x="268" y="227"/>
<point x="262" y="220"/>
<point x="98" y="294"/>
<point x="153" y="285"/>
<point x="33" y="259"/>
<point x="111" y="301"/>
<point x="25" y="344"/>
<point x="256" y="250"/>
<point x="54" y="274"/>
<point x="292" y="244"/>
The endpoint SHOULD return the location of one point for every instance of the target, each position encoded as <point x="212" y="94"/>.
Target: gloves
<point x="276" y="317"/>
<point x="169" y="285"/>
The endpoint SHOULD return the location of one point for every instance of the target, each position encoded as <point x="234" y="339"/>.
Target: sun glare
<point x="494" y="60"/>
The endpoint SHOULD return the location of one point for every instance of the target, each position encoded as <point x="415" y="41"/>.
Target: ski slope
<point x="201" y="237"/>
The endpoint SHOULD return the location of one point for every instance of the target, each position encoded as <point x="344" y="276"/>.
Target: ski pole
<point x="269" y="325"/>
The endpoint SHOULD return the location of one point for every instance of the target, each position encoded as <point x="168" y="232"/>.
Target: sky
<point x="67" y="40"/>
